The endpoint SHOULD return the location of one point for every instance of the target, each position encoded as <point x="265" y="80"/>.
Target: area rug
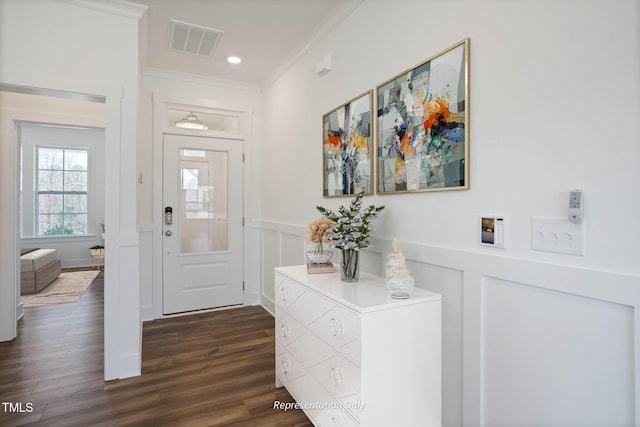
<point x="68" y="287"/>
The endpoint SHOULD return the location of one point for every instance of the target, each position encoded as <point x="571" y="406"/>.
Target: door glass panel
<point x="212" y="121"/>
<point x="203" y="200"/>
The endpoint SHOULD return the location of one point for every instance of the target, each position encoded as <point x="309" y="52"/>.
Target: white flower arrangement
<point x="351" y="228"/>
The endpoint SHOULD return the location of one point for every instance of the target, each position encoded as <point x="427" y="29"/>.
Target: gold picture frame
<point x="347" y="148"/>
<point x="422" y="126"/>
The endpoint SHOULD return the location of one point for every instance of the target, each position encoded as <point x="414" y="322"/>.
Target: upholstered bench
<point x="38" y="268"/>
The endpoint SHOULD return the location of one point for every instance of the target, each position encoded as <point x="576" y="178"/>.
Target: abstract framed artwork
<point x="347" y="148"/>
<point x="423" y="125"/>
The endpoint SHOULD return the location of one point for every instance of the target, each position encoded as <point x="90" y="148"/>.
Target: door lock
<point x="168" y="233"/>
<point x="168" y="215"/>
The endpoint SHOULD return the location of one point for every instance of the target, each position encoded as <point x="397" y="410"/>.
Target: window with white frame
<point x="62" y="182"/>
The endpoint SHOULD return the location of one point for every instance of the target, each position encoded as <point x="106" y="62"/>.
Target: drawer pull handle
<point x="336" y="377"/>
<point x="336" y="327"/>
<point x="284" y="367"/>
<point x="284" y="295"/>
<point x="284" y="330"/>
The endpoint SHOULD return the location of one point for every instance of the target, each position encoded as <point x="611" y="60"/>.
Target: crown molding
<point x="163" y="73"/>
<point x="122" y="8"/>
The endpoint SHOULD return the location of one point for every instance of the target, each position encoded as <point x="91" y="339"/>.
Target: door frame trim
<point x="162" y="102"/>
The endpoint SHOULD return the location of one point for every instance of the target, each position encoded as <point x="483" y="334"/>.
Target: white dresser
<point x="351" y="355"/>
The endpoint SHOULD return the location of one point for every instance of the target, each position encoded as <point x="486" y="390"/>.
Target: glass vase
<point x="350" y="265"/>
<point x="319" y="257"/>
<point x="400" y="284"/>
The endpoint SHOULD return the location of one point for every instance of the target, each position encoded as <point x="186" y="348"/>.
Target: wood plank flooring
<point x="213" y="369"/>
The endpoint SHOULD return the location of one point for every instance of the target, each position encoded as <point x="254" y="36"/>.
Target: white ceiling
<point x="269" y="35"/>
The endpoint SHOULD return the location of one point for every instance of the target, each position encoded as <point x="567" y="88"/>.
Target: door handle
<point x="168" y="233"/>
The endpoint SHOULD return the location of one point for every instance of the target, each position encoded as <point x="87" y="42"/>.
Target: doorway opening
<point x="54" y="216"/>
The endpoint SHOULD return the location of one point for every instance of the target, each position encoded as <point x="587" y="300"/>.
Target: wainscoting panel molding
<point x="145" y="232"/>
<point x="291" y="249"/>
<point x="548" y="354"/>
<point x="270" y="260"/>
<point x="518" y="335"/>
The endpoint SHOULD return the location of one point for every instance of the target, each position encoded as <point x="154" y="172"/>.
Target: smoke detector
<point x="193" y="39"/>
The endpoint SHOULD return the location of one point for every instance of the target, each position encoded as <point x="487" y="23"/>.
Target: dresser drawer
<point x="299" y="387"/>
<point x="340" y="328"/>
<point x="310" y="350"/>
<point x="287" y="291"/>
<point x="334" y="418"/>
<point x="299" y="302"/>
<point x="322" y="408"/>
<point x="339" y="376"/>
<point x="288" y="368"/>
<point x="287" y="329"/>
<point x="329" y="412"/>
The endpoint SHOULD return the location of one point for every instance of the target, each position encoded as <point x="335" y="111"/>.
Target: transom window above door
<point x="205" y="121"/>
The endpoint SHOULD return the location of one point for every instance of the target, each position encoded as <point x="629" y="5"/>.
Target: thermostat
<point x="493" y="231"/>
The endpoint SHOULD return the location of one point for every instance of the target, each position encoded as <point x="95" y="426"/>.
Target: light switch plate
<point x="557" y="235"/>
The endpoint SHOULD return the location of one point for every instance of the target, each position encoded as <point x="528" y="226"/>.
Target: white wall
<point x="530" y="338"/>
<point x="162" y="90"/>
<point x="82" y="47"/>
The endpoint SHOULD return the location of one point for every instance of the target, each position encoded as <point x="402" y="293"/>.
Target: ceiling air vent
<point x="194" y="39"/>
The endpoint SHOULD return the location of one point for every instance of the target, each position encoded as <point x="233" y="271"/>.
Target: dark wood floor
<point x="214" y="369"/>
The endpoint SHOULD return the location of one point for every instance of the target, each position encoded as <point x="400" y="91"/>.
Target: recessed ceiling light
<point x="234" y="60"/>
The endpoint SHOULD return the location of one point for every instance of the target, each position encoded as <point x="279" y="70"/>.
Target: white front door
<point x="202" y="223"/>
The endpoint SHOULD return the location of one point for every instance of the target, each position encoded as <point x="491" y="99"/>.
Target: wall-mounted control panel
<point x="576" y="206"/>
<point x="493" y="231"/>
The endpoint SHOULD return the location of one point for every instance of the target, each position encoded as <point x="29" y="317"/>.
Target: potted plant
<point x="351" y="231"/>
<point x="97" y="250"/>
<point x="102" y="228"/>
